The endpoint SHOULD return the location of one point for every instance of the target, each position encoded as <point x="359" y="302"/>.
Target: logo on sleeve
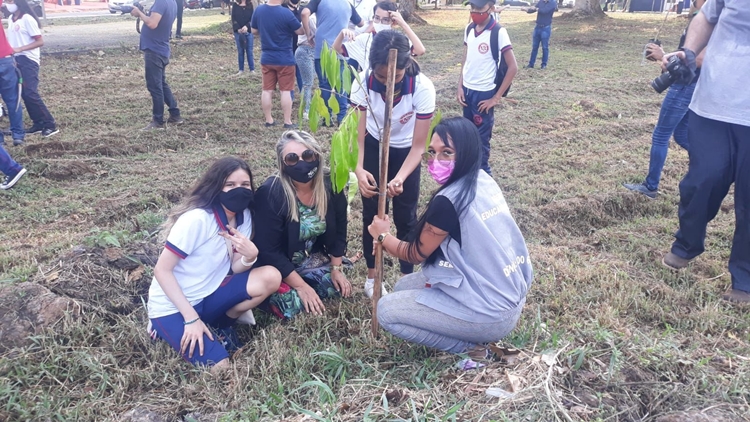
<point x="406" y="117"/>
<point x="483" y="48"/>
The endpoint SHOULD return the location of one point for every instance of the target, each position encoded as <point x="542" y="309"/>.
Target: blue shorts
<point x="212" y="311"/>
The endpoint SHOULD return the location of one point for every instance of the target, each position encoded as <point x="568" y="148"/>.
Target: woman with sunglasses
<point x="413" y="106"/>
<point x="207" y="273"/>
<point x="25" y="36"/>
<point x="475" y="264"/>
<point x="302" y="228"/>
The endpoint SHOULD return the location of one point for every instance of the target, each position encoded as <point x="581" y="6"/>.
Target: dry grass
<point x="607" y="333"/>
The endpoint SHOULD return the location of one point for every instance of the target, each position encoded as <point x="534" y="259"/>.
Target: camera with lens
<point x="125" y="9"/>
<point x="677" y="70"/>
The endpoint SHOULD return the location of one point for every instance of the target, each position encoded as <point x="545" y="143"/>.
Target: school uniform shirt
<point x="415" y="101"/>
<point x="366" y="10"/>
<point x="24" y="32"/>
<point x="480" y="67"/>
<point x="204" y="257"/>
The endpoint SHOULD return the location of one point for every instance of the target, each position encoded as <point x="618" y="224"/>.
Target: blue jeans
<point x="541" y="35"/>
<point x="156" y="82"/>
<point x="719" y="156"/>
<point x="673" y="118"/>
<point x="35" y="106"/>
<point x="242" y="51"/>
<point x="483" y="121"/>
<point x="325" y="88"/>
<point x="305" y="58"/>
<point x="9" y="92"/>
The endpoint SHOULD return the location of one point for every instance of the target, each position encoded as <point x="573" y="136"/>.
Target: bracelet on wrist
<point x="336" y="267"/>
<point x="248" y="264"/>
<point x="191" y="321"/>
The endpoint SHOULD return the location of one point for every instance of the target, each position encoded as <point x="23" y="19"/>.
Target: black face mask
<point x="303" y="171"/>
<point x="237" y="199"/>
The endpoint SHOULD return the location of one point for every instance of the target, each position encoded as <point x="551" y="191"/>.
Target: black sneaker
<point x="290" y="126"/>
<point x="175" y="120"/>
<point x="50" y="131"/>
<point x="17" y="142"/>
<point x="641" y="188"/>
<point x="228" y="338"/>
<point x="8" y="181"/>
<point x="34" y="129"/>
<point x="153" y="126"/>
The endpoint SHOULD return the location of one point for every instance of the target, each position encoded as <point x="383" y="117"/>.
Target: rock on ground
<point x="27" y="309"/>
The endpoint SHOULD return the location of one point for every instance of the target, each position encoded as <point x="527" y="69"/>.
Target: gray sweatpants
<point x="401" y="315"/>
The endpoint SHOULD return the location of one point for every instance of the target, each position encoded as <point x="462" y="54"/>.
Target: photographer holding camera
<point x="719" y="137"/>
<point x="157" y="26"/>
<point x="673" y="116"/>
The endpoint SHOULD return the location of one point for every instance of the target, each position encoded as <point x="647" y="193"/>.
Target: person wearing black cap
<point x="544" y="10"/>
<point x="487" y="71"/>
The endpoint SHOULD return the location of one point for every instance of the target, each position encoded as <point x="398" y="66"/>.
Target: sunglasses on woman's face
<point x="292" y="158"/>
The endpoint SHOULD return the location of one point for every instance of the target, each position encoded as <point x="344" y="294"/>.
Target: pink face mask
<point x="441" y="170"/>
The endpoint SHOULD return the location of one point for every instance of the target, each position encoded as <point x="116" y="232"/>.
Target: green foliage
<point x="435" y="120"/>
<point x="344" y="151"/>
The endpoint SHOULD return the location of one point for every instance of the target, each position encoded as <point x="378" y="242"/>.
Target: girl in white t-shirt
<point x="413" y="107"/>
<point x="25" y="36"/>
<point x="205" y="276"/>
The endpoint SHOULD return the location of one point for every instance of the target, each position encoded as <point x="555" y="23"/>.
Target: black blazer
<point x="277" y="237"/>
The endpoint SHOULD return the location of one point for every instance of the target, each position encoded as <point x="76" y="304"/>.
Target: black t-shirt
<point x="241" y="16"/>
<point x="442" y="214"/>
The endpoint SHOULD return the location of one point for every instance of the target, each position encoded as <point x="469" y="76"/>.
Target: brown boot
<point x="736" y="296"/>
<point x="674" y="262"/>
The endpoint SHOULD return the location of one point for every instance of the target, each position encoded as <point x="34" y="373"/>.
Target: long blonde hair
<point x="320" y="196"/>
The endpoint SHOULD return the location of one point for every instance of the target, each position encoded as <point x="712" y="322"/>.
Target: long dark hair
<point x="25" y="9"/>
<point x="383" y="42"/>
<point x="462" y="135"/>
<point x="205" y="192"/>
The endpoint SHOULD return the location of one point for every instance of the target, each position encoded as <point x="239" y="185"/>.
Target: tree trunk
<point x="409" y="11"/>
<point x="590" y="8"/>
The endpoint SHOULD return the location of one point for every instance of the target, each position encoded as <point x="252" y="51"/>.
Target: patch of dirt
<point x="583" y="215"/>
<point x="27" y="309"/>
<point x="68" y="170"/>
<point x="113" y="279"/>
<point x="107" y="146"/>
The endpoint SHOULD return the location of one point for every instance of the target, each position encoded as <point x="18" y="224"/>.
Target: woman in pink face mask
<point x="476" y="269"/>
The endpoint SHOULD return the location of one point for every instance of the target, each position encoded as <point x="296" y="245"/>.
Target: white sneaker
<point x="306" y="116"/>
<point x="247" y="318"/>
<point x="370" y="286"/>
<point x="238" y="74"/>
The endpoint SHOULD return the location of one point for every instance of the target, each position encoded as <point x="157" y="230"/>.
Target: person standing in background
<point x="25" y="36"/>
<point x="9" y="92"/>
<point x="242" y="14"/>
<point x="365" y="10"/>
<point x="276" y="25"/>
<point x="180" y="10"/>
<point x="544" y="10"/>
<point x="155" y="46"/>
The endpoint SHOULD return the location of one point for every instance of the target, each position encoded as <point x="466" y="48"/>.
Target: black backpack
<point x="502" y="67"/>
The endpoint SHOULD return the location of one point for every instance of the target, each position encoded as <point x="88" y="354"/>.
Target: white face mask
<point x="379" y="27"/>
<point x="12" y="7"/>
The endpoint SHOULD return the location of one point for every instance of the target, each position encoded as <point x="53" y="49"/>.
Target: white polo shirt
<point x="480" y="68"/>
<point x="205" y="260"/>
<point x="416" y="101"/>
<point x="24" y="32"/>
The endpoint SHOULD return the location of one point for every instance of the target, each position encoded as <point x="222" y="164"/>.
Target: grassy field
<point x="607" y="334"/>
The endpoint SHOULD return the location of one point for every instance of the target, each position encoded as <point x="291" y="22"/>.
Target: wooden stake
<point x="385" y="141"/>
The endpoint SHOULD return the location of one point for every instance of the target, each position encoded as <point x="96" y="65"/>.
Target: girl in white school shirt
<point x="413" y="107"/>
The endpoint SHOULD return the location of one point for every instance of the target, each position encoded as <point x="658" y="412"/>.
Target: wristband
<point x="335" y="268"/>
<point x="248" y="264"/>
<point x="191" y="321"/>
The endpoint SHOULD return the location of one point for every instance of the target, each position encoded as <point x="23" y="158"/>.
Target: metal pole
<point x="385" y="141"/>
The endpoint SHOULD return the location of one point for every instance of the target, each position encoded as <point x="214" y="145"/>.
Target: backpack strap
<point x="494" y="43"/>
<point x="469" y="28"/>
